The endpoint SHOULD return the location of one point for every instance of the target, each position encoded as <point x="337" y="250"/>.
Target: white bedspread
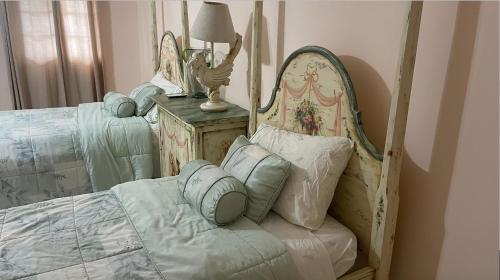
<point x="326" y="253"/>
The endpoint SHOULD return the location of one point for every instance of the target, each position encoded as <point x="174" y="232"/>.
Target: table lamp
<point x="213" y="24"/>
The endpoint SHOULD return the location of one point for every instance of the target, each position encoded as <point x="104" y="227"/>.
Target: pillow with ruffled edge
<point x="317" y="164"/>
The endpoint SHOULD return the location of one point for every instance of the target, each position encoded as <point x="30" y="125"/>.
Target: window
<point x="39" y="30"/>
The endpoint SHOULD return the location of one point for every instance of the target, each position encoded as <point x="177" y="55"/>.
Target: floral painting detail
<point x="174" y="165"/>
<point x="307" y="90"/>
<point x="169" y="60"/>
<point x="176" y="147"/>
<point x="306" y="115"/>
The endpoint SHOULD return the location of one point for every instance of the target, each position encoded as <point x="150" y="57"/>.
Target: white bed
<point x="326" y="253"/>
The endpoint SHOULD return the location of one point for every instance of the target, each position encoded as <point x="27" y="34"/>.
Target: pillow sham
<point x="119" y="105"/>
<point x="216" y="195"/>
<point x="160" y="81"/>
<point x="317" y="164"/>
<point x="142" y="97"/>
<point x="263" y="174"/>
<point x="152" y="115"/>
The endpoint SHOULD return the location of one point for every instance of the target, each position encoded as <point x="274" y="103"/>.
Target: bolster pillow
<point x="217" y="196"/>
<point x="119" y="105"/>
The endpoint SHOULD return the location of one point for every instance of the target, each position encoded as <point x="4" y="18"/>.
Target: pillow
<point x="119" y="105"/>
<point x="263" y="174"/>
<point x="152" y="115"/>
<point x="142" y="97"/>
<point x="160" y="81"/>
<point x="216" y="195"/>
<point x="317" y="164"/>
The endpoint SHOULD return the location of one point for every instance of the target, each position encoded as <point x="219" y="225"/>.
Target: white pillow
<point x="169" y="87"/>
<point x="317" y="164"/>
<point x="152" y="115"/>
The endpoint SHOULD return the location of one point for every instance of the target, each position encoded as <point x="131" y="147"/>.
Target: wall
<point x="447" y="226"/>
<point x="126" y="43"/>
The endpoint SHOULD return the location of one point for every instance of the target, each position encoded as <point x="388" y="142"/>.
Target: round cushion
<point x="119" y="105"/>
<point x="216" y="195"/>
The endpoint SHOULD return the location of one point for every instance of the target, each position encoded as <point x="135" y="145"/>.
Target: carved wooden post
<point x="185" y="43"/>
<point x="185" y="25"/>
<point x="255" y="67"/>
<point x="156" y="62"/>
<point x="387" y="196"/>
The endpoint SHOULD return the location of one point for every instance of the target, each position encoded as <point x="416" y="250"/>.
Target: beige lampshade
<point x="213" y="23"/>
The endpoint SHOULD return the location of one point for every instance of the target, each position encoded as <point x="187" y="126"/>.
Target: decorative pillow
<point x="317" y="164"/>
<point x="216" y="195"/>
<point x="160" y="81"/>
<point x="142" y="97"/>
<point x="263" y="174"/>
<point x="119" y="105"/>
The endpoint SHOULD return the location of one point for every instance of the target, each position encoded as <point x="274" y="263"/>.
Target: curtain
<point x="53" y="51"/>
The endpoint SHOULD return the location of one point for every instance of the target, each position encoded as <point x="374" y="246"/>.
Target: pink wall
<point x="126" y="44"/>
<point x="448" y="222"/>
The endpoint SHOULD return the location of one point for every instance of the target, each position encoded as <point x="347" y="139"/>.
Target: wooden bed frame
<point x="313" y="94"/>
<point x="170" y="61"/>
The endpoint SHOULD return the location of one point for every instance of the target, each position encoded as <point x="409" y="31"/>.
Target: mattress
<point x="326" y="253"/>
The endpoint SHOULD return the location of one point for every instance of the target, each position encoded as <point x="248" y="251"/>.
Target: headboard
<point x="314" y="95"/>
<point x="170" y="59"/>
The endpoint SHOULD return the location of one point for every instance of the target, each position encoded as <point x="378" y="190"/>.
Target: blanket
<point x="116" y="150"/>
<point x="40" y="156"/>
<point x="137" y="230"/>
<point x="59" y="152"/>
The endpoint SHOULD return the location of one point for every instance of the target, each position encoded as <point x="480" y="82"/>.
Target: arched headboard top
<point x="314" y="95"/>
<point x="317" y="71"/>
<point x="170" y="59"/>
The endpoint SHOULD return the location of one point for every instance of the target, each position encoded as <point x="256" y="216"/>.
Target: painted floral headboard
<point x="170" y="59"/>
<point x="314" y="95"/>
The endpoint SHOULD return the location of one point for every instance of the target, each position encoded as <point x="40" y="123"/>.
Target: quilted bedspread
<point x="59" y="152"/>
<point x="137" y="230"/>
<point x="40" y="156"/>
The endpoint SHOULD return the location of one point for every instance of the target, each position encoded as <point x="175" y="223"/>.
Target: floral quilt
<point x="40" y="156"/>
<point x="137" y="230"/>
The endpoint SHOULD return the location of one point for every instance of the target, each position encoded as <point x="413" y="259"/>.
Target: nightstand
<point x="187" y="133"/>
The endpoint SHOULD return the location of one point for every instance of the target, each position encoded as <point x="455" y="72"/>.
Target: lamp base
<point x="199" y="95"/>
<point x="210" y="106"/>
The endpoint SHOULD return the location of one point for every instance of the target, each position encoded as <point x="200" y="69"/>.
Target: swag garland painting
<point x="304" y="99"/>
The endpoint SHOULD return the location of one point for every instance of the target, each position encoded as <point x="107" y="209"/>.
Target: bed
<point x="145" y="230"/>
<point x="58" y="152"/>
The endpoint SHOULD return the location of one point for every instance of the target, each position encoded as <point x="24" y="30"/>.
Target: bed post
<point x="154" y="37"/>
<point x="185" y="25"/>
<point x="185" y="42"/>
<point x="387" y="196"/>
<point x="255" y="67"/>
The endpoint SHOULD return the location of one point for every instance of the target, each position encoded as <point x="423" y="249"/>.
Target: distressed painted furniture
<point x="170" y="62"/>
<point x="314" y="95"/>
<point x="320" y="100"/>
<point x="187" y="133"/>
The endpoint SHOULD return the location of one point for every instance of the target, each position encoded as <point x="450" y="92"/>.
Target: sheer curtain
<point x="53" y="51"/>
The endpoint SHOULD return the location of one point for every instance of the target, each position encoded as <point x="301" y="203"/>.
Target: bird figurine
<point x="213" y="78"/>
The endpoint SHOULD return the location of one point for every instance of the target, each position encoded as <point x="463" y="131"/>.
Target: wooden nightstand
<point x="187" y="133"/>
